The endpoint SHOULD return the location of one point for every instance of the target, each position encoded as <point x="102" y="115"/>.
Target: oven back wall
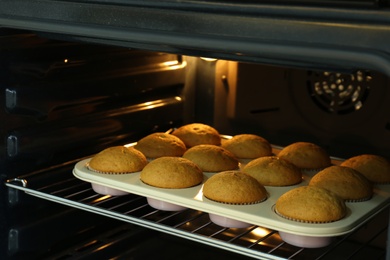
<point x="347" y="113"/>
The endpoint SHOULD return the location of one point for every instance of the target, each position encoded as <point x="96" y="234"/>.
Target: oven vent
<point x="338" y="93"/>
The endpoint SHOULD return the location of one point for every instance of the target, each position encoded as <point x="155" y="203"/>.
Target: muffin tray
<point x="261" y="214"/>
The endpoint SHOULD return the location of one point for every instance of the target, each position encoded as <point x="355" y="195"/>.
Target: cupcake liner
<point x="358" y="200"/>
<point x="91" y="169"/>
<point x="105" y="190"/>
<point x="248" y="203"/>
<point x="300" y="220"/>
<point x="168" y="188"/>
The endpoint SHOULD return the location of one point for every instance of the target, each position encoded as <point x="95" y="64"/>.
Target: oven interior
<point x="66" y="97"/>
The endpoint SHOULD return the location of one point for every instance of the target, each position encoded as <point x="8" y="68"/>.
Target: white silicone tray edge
<point x="260" y="214"/>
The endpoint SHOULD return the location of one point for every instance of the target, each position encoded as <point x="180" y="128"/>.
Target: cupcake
<point x="170" y="173"/>
<point x="116" y="160"/>
<point x="345" y="182"/>
<point x="211" y="158"/>
<point x="248" y="146"/>
<point x="273" y="171"/>
<point x="306" y="156"/>
<point x="197" y="133"/>
<point x="233" y="187"/>
<point x="374" y="167"/>
<point x="309" y="204"/>
<point x="161" y="144"/>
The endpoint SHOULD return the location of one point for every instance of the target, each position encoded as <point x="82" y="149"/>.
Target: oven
<point x="80" y="76"/>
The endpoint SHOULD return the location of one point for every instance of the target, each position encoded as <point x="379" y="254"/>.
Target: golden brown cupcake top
<point x="248" y="146"/>
<point x="376" y="168"/>
<point x="160" y="144"/>
<point x="171" y="173"/>
<point x="273" y="171"/>
<point x="118" y="159"/>
<point x="234" y="187"/>
<point x="197" y="133"/>
<point x="211" y="158"/>
<point x="345" y="182"/>
<point x="310" y="204"/>
<point x="306" y="155"/>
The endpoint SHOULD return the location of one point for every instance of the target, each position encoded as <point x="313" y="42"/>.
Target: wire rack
<point x="58" y="185"/>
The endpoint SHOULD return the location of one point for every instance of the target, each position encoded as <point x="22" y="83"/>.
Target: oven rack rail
<point x="255" y="242"/>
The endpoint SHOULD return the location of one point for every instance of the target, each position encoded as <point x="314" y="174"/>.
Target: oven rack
<point x="255" y="242"/>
